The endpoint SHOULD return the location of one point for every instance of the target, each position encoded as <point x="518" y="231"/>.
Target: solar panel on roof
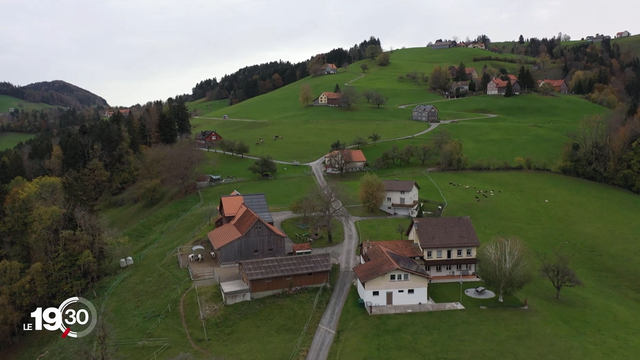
<point x="258" y="204"/>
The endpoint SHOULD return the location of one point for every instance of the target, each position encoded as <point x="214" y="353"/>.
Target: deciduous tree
<point x="425" y="152"/>
<point x="372" y="192"/>
<point x="374" y="138"/>
<point x="439" y="79"/>
<point x="364" y="67"/>
<point x="350" y="97"/>
<point x="242" y="148"/>
<point x="383" y="59"/>
<point x="359" y="141"/>
<point x="378" y="99"/>
<point x="264" y="165"/>
<point x="557" y="269"/>
<point x="306" y="94"/>
<point x="373" y="51"/>
<point x="505" y="266"/>
<point x="368" y="94"/>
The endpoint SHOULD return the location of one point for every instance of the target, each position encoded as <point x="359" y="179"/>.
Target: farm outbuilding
<point x="274" y="275"/>
<point x="234" y="292"/>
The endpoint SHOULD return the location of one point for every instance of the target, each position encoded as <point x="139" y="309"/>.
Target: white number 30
<point x="82" y="317"/>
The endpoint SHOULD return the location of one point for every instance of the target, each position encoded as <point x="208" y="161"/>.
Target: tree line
<point x="56" y="93"/>
<point x="260" y="79"/>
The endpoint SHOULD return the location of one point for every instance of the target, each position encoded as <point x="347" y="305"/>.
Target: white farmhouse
<point x="449" y="246"/>
<point x="401" y="198"/>
<point x="389" y="275"/>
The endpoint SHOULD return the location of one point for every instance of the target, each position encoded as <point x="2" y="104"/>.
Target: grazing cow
<point x="274" y="138"/>
<point x="261" y="141"/>
<point x="191" y="257"/>
<point x="257" y="143"/>
<point x="200" y="258"/>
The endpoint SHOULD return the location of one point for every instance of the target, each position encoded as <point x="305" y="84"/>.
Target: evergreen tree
<point x="521" y="40"/>
<point x="461" y="73"/>
<point x="472" y="86"/>
<point x="509" y="91"/>
<point x="132" y="130"/>
<point x="167" y="129"/>
<point x="485" y="81"/>
<point x="181" y="115"/>
<point x="337" y="89"/>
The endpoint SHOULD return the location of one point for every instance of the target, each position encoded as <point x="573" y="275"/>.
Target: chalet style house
<point x="558" y="85"/>
<point x="401" y="198"/>
<point x="425" y="113"/>
<point x="388" y="274"/>
<point x="622" y="34"/>
<point x="328" y="69"/>
<point x="244" y="230"/>
<point x="274" y="275"/>
<point x="328" y="99"/>
<point x="207" y="139"/>
<point x="341" y="161"/>
<point x="499" y="87"/>
<point x="448" y="245"/>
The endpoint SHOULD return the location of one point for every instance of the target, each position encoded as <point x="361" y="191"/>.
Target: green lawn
<point x="361" y="211"/>
<point x="596" y="223"/>
<point x="7" y="102"/>
<point x="382" y="229"/>
<point x="450" y="292"/>
<point x="201" y="107"/>
<point x="9" y="139"/>
<point x="290" y="227"/>
<point x="217" y="163"/>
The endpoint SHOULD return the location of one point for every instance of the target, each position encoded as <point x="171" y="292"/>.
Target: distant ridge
<point x="56" y="93"/>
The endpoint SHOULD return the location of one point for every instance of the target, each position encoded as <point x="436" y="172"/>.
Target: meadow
<point x="10" y="139"/>
<point x="7" y="102"/>
<point x="597" y="224"/>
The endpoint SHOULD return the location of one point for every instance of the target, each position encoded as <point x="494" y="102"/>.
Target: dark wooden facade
<point x="258" y="243"/>
<point x="286" y="282"/>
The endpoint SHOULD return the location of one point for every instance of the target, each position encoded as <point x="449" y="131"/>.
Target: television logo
<point x="83" y="317"/>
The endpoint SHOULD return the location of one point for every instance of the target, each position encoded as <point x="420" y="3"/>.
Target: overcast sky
<point x="139" y="50"/>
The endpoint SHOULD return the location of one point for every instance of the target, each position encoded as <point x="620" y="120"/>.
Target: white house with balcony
<point x="401" y="198"/>
<point x="388" y="274"/>
<point x="449" y="246"/>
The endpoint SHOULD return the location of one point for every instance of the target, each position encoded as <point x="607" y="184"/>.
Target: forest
<point x="56" y="93"/>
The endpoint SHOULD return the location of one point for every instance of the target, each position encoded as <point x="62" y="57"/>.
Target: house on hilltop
<point x="560" y="86"/>
<point x="425" y="113"/>
<point x="244" y="230"/>
<point x="328" y="69"/>
<point x="443" y="44"/>
<point x="448" y="245"/>
<point x="477" y="46"/>
<point x="340" y="161"/>
<point x="622" y="34"/>
<point x="499" y="87"/>
<point x="207" y="139"/>
<point x="471" y="73"/>
<point x="388" y="274"/>
<point x="401" y="198"/>
<point x="328" y="99"/>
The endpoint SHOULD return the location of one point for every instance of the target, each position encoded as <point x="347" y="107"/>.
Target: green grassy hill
<point x="523" y="122"/>
<point x="7" y="102"/>
<point x="10" y="139"/>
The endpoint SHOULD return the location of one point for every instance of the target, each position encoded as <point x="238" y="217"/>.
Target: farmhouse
<point x="328" y="69"/>
<point x="340" y="161"/>
<point x="389" y="275"/>
<point x="275" y="275"/>
<point x="477" y="46"/>
<point x="462" y="85"/>
<point x="499" y="87"/>
<point x="244" y="230"/>
<point x="328" y="99"/>
<point x="124" y="112"/>
<point x="401" y="198"/>
<point x="425" y="113"/>
<point x="600" y="38"/>
<point x="471" y="72"/>
<point x="207" y="139"/>
<point x="558" y="85"/>
<point x="622" y="34"/>
<point x="443" y="44"/>
<point x="448" y="245"/>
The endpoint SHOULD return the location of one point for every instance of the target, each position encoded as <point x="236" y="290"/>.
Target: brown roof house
<point x="328" y="69"/>
<point x="207" y="139"/>
<point x="448" y="245"/>
<point x="244" y="230"/>
<point x="341" y="161"/>
<point x="388" y="274"/>
<point x="558" y="85"/>
<point x="275" y="275"/>
<point x="328" y="99"/>
<point x="401" y="198"/>
<point x="425" y="113"/>
<point x="469" y="71"/>
<point x="499" y="86"/>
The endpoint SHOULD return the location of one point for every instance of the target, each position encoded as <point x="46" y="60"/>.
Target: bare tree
<point x="455" y="38"/>
<point x="368" y="94"/>
<point x="378" y="99"/>
<point x="326" y="207"/>
<point x="425" y="152"/>
<point x="340" y="160"/>
<point x="349" y="97"/>
<point x="558" y="271"/>
<point x="505" y="266"/>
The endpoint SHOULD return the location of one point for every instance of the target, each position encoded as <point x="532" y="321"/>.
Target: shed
<point x="234" y="292"/>
<point x="301" y="249"/>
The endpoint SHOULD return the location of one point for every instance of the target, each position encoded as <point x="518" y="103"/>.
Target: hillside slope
<point x="9" y="102"/>
<point x="56" y="93"/>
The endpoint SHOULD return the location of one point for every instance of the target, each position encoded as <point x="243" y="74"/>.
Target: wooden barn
<point x="269" y="276"/>
<point x="246" y="236"/>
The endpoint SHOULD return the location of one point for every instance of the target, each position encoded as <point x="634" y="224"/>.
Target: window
<point x="410" y="291"/>
<point x="400" y="291"/>
<point x="388" y="199"/>
<point x="259" y="227"/>
<point x="270" y="250"/>
<point x="459" y="252"/>
<point x="310" y="274"/>
<point x="458" y="267"/>
<point x="392" y="277"/>
<point x="376" y="293"/>
<point x="439" y="254"/>
<point x="438" y="268"/>
<point x="406" y="277"/>
<point x="401" y="200"/>
<point x="401" y="192"/>
<point x="388" y="207"/>
<point x="448" y="267"/>
<point x="213" y="137"/>
<point x="255" y="252"/>
<point x="429" y="255"/>
<point x="468" y="252"/>
<point x="448" y="254"/>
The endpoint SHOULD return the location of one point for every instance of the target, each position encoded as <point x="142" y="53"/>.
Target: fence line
<point x="436" y="185"/>
<point x="296" y="349"/>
